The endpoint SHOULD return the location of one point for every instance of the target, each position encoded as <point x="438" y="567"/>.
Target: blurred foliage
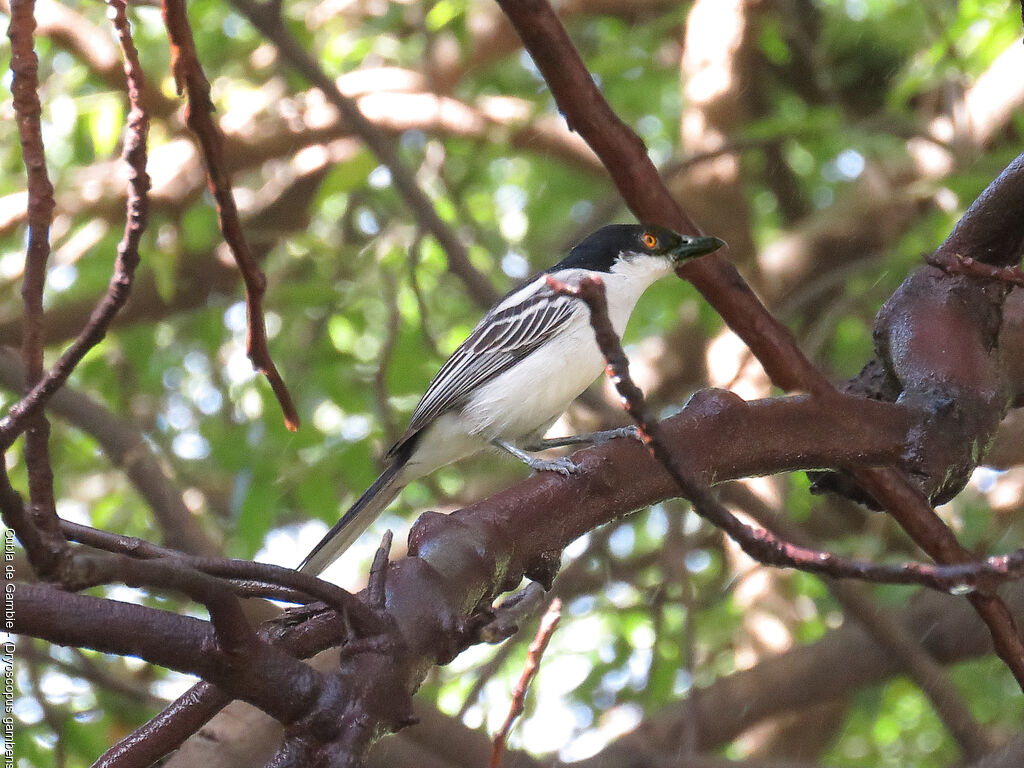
<point x="355" y="285"/>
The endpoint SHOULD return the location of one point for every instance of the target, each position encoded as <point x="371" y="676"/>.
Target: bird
<point x="520" y="368"/>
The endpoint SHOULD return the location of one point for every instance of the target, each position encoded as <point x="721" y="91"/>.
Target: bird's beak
<point x="691" y="247"/>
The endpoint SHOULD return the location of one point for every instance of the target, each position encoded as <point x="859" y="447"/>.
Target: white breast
<point x="541" y="387"/>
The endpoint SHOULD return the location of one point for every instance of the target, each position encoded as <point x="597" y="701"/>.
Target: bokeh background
<point x="830" y="142"/>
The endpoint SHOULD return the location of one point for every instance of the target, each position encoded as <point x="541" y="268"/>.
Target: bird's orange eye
<point x="649" y="240"/>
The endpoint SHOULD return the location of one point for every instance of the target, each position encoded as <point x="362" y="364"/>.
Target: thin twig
<point x="134" y="156"/>
<point x="47" y="549"/>
<point x="547" y="627"/>
<point x="188" y="74"/>
<point x="519" y="608"/>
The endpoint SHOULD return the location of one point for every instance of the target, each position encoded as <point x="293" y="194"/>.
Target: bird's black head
<point x="600" y="251"/>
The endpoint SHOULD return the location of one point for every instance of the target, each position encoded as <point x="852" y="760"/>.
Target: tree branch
<point x="761" y="544"/>
<point x="45" y="547"/>
<point x="134" y="156"/>
<point x="548" y="625"/>
<point x="362" y="619"/>
<point x="188" y="74"/>
<point x="127" y="448"/>
<point x="262" y="675"/>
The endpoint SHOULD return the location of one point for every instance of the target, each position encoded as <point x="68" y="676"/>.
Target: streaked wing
<point x="505" y="335"/>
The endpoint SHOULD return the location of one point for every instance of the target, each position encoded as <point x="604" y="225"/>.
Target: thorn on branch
<point x="376" y="588"/>
<point x="957" y="264"/>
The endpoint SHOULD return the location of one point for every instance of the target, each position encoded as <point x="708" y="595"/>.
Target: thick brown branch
<point x="464" y="560"/>
<point x="262" y="675"/>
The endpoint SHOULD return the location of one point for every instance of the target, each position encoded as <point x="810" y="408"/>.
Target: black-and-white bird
<point x="529" y="357"/>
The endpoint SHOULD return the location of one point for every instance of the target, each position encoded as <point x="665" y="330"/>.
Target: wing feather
<point x="505" y="335"/>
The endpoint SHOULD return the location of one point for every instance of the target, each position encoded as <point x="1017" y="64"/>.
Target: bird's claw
<point x="600" y="438"/>
<point x="562" y="466"/>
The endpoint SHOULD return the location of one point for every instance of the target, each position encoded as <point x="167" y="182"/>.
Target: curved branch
<point x="363" y="620"/>
<point x="260" y="675"/>
<point x="134" y="156"/>
<point x="38" y="531"/>
<point x="188" y="74"/>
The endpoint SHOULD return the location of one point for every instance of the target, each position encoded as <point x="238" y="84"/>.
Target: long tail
<point x="358" y="517"/>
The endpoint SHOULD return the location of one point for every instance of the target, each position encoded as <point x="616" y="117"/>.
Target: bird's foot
<point x="563" y="466"/>
<point x="600" y="438"/>
<point x="590" y="438"/>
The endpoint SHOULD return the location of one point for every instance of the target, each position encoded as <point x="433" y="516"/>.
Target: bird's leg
<point x="591" y="438"/>
<point x="563" y="466"/>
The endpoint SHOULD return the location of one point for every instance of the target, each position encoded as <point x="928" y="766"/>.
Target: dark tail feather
<point x="366" y="509"/>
